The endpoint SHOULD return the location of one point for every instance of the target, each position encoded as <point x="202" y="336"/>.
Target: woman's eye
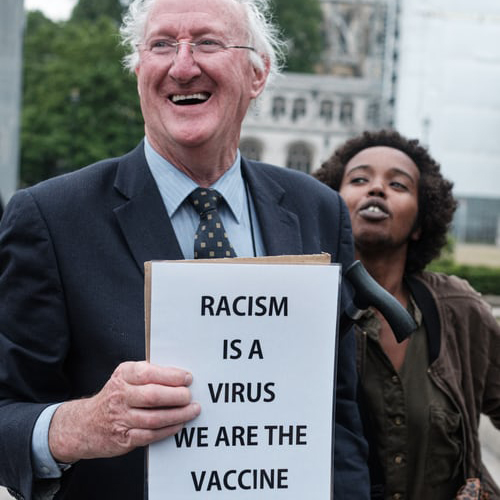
<point x="358" y="180"/>
<point x="399" y="185"/>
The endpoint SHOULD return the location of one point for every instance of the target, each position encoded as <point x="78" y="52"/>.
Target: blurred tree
<point x="300" y="21"/>
<point x="91" y="10"/>
<point x="79" y="105"/>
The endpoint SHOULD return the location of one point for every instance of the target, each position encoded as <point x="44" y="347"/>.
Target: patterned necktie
<point x="210" y="240"/>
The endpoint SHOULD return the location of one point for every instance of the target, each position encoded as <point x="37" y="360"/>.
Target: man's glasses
<point x="169" y="48"/>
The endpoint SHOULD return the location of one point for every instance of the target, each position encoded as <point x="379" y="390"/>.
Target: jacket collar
<point x="141" y="215"/>
<point x="279" y="225"/>
<point x="427" y="305"/>
<point x="146" y="226"/>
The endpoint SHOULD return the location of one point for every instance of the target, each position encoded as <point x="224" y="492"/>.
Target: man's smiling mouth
<point x="186" y="99"/>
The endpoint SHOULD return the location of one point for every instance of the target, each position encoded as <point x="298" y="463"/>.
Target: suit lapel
<point x="148" y="231"/>
<point x="279" y="225"/>
<point x="141" y="216"/>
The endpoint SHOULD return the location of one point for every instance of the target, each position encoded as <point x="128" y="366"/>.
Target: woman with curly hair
<point x="421" y="399"/>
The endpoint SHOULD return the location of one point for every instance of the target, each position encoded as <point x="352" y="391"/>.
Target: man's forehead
<point x="202" y="15"/>
<point x="226" y="8"/>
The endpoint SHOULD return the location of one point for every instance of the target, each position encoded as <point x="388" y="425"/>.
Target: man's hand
<point x="141" y="403"/>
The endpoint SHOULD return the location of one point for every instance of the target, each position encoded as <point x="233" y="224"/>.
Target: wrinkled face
<point x="380" y="188"/>
<point x="190" y="98"/>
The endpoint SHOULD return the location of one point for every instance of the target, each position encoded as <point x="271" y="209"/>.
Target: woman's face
<point x="380" y="188"/>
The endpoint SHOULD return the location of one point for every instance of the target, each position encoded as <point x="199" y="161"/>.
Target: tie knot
<point x="204" y="200"/>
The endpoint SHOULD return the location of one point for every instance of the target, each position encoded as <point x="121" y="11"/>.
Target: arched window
<point x="299" y="157"/>
<point x="326" y="110"/>
<point x="278" y="107"/>
<point x="299" y="108"/>
<point x="373" y="113"/>
<point x="251" y="148"/>
<point x="346" y="112"/>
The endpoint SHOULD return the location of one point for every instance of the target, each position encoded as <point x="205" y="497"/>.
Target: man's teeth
<point x="199" y="96"/>
<point x="373" y="208"/>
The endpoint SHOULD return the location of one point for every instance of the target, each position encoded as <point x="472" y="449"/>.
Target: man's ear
<point x="136" y="71"/>
<point x="260" y="76"/>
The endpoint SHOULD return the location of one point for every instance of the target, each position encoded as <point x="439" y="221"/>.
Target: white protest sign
<point x="260" y="342"/>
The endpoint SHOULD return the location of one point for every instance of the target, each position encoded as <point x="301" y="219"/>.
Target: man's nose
<point x="184" y="66"/>
<point x="184" y="51"/>
<point x="189" y="46"/>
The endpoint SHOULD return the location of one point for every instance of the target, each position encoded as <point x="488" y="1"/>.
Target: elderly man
<point x="78" y="403"/>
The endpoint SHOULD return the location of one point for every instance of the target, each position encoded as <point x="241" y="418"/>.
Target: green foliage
<point x="92" y="10"/>
<point x="485" y="280"/>
<point x="446" y="258"/>
<point x="79" y="105"/>
<point x="300" y="21"/>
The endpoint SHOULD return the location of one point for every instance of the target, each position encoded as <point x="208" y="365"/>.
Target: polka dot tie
<point x="210" y="240"/>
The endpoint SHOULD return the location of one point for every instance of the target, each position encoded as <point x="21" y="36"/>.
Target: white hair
<point x="262" y="34"/>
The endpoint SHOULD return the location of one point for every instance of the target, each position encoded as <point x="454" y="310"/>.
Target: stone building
<point x="303" y="117"/>
<point x="300" y="121"/>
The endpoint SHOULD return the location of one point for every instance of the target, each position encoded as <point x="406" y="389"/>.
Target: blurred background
<point x="429" y="68"/>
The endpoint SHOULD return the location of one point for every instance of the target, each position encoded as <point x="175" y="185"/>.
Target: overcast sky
<point x="55" y="9"/>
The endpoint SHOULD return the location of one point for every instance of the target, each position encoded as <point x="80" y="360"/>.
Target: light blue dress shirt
<point x="240" y="221"/>
<point x="237" y="213"/>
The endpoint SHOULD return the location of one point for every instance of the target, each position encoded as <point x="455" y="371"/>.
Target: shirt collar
<point x="175" y="186"/>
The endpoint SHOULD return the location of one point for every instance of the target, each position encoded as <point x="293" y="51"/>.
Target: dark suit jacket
<point x="72" y="251"/>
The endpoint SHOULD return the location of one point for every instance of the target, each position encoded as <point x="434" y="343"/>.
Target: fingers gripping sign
<point x="141" y="403"/>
